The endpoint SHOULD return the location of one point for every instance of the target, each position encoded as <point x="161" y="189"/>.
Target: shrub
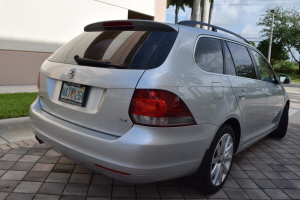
<point x="285" y="65"/>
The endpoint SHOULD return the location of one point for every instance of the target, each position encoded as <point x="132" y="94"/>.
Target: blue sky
<point x="239" y="16"/>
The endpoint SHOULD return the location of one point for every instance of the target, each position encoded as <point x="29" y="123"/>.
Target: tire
<point x="219" y="160"/>
<point x="280" y="132"/>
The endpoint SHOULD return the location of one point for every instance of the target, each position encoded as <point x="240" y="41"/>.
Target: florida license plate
<point x="73" y="93"/>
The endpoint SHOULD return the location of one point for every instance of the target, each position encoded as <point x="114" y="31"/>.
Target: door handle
<point x="242" y="94"/>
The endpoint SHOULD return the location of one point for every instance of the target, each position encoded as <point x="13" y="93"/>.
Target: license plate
<point x="73" y="93"/>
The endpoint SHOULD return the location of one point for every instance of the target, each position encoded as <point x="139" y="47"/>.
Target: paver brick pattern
<point x="269" y="169"/>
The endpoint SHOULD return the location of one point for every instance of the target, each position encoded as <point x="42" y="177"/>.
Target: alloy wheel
<point x="222" y="159"/>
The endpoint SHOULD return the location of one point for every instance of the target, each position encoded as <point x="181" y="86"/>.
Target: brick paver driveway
<point x="270" y="169"/>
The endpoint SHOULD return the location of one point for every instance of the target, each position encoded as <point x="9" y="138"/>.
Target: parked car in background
<point x="143" y="101"/>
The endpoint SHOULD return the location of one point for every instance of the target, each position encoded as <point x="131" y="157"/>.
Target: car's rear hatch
<point x="90" y="80"/>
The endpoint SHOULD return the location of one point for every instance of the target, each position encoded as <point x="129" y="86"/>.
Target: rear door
<point x="274" y="92"/>
<point x="91" y="80"/>
<point x="248" y="90"/>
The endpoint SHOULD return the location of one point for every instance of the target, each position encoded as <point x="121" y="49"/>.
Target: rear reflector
<point x="118" y="26"/>
<point x="159" y="108"/>
<point x="123" y="173"/>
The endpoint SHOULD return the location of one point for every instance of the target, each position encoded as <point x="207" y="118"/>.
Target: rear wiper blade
<point x="95" y="63"/>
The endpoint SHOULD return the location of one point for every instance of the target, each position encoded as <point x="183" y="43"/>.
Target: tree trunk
<point x="176" y="13"/>
<point x="196" y="10"/>
<point x="292" y="53"/>
<point x="201" y="8"/>
<point x="211" y="12"/>
<point x="205" y="12"/>
<point x="298" y="63"/>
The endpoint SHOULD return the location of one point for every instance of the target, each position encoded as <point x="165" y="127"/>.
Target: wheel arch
<point x="236" y="126"/>
<point x="287" y="103"/>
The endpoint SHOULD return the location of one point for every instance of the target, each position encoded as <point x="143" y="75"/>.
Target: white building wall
<point x="142" y="6"/>
<point x="30" y="30"/>
<point x="44" y="25"/>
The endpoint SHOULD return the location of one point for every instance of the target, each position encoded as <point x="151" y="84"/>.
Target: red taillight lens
<point x="38" y="83"/>
<point x="159" y="108"/>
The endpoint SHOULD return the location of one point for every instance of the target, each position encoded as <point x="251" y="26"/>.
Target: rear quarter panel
<point x="180" y="75"/>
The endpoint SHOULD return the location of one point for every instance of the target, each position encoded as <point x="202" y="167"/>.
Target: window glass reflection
<point x="208" y="55"/>
<point x="265" y="71"/>
<point x="229" y="62"/>
<point x="242" y="60"/>
<point x="128" y="49"/>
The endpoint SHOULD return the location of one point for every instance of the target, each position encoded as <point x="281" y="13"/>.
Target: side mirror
<point x="284" y="79"/>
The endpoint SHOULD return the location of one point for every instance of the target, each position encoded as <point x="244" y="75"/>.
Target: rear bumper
<point x="149" y="154"/>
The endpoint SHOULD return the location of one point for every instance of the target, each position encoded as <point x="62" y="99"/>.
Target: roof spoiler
<point x="214" y="28"/>
<point x="134" y="25"/>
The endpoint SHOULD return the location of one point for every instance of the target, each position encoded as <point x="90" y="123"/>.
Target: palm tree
<point x="211" y="11"/>
<point x="200" y="11"/>
<point x="196" y="11"/>
<point x="205" y="12"/>
<point x="179" y="4"/>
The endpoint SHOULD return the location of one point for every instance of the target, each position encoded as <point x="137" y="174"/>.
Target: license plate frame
<point x="68" y="96"/>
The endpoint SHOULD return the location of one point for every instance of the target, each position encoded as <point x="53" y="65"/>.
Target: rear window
<point x="128" y="49"/>
<point x="208" y="55"/>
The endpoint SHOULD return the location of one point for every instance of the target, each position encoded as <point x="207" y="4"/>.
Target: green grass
<point x="15" y="104"/>
<point x="295" y="77"/>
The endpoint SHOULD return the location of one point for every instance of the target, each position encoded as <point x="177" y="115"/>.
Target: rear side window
<point x="128" y="49"/>
<point x="265" y="71"/>
<point x="228" y="60"/>
<point x="242" y="60"/>
<point x="208" y="55"/>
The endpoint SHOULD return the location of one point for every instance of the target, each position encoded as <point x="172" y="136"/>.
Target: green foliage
<point x="286" y="67"/>
<point x="16" y="104"/>
<point x="286" y="27"/>
<point x="278" y="52"/>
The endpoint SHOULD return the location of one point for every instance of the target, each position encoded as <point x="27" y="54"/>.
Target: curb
<point x="18" y="89"/>
<point x="15" y="129"/>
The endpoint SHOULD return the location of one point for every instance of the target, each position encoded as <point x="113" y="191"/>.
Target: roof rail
<point x="214" y="28"/>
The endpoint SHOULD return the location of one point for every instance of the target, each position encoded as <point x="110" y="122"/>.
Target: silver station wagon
<point x="143" y="101"/>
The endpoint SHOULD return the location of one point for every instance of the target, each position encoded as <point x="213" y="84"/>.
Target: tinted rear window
<point x="228" y="60"/>
<point x="129" y="49"/>
<point x="208" y="55"/>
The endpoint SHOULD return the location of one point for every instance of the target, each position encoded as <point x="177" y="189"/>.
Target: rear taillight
<point x="159" y="108"/>
<point x="38" y="83"/>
